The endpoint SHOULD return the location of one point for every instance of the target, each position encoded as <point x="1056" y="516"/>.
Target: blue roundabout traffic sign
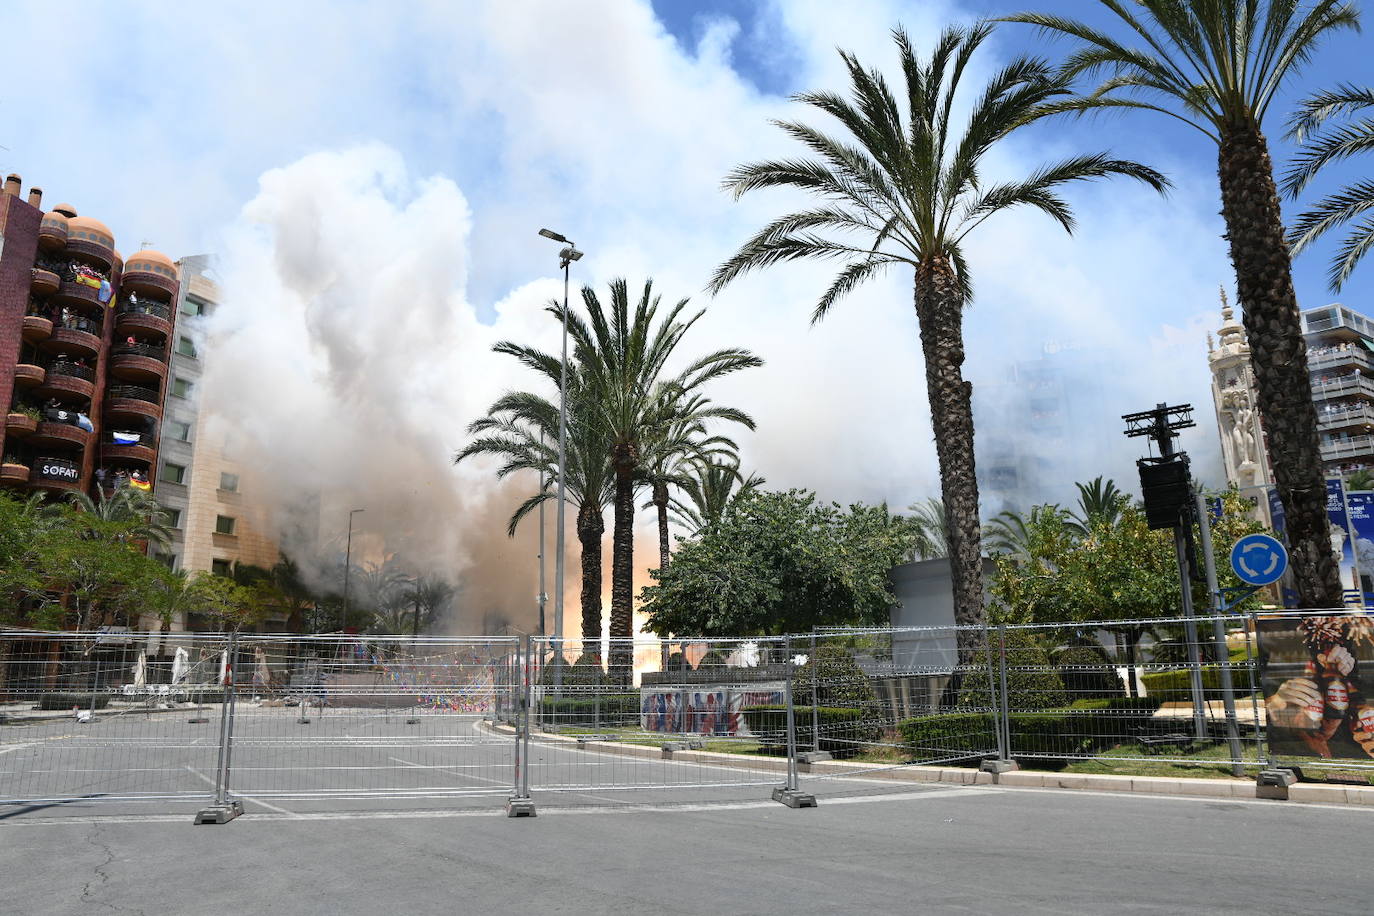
<point x="1259" y="559"/>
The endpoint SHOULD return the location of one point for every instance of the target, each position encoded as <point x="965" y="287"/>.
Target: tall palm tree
<point x="671" y="452"/>
<point x="905" y="188"/>
<point x="708" y="491"/>
<point x="1099" y="503"/>
<point x="131" y="514"/>
<point x="932" y="529"/>
<point x="1021" y="535"/>
<point x="1324" y="145"/>
<point x="1216" y="66"/>
<point x="522" y="430"/>
<point x="621" y="353"/>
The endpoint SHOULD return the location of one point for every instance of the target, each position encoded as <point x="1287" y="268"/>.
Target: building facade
<point x="84" y="339"/>
<point x="1340" y="356"/>
<point x="216" y="524"/>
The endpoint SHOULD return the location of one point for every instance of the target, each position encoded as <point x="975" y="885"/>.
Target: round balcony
<point x="139" y="363"/>
<point x="92" y="239"/>
<point x="150" y="273"/>
<point x="52" y="231"/>
<point x="18" y="425"/>
<point x="120" y="449"/>
<point x="37" y="328"/>
<point x="80" y="338"/>
<point x="56" y="434"/>
<point x="143" y="315"/>
<point x="132" y="401"/>
<point x="60" y="475"/>
<point x="65" y="378"/>
<point x="13" y="475"/>
<point x="44" y="282"/>
<point x="27" y="375"/>
<point x="81" y="294"/>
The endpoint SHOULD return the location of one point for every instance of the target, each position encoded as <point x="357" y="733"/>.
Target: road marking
<point x="253" y="799"/>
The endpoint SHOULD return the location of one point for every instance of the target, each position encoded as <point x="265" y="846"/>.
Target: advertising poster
<point x="1317" y="675"/>
<point x="1360" y="507"/>
<point x="1341" y="546"/>
<point x="704" y="710"/>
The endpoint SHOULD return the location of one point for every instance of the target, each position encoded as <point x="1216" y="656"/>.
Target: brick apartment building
<point x="84" y="347"/>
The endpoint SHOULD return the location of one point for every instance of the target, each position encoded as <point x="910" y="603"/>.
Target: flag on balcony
<point x="88" y="280"/>
<point x="139" y="484"/>
<point x="126" y="438"/>
<point x="106" y="292"/>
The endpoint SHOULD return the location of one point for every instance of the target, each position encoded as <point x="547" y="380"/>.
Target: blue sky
<point x="374" y="184"/>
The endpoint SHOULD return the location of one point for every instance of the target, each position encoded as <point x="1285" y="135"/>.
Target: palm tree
<point x="522" y="430"/>
<point x="671" y="452"/>
<point x="429" y="596"/>
<point x="1216" y="66"/>
<point x="905" y="188"/>
<point x="1021" y="536"/>
<point x="1099" y="503"/>
<point x="709" y="490"/>
<point x="1351" y="201"/>
<point x="128" y="514"/>
<point x="621" y="356"/>
<point x="932" y="529"/>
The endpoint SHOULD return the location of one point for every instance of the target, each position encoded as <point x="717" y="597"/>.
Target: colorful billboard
<point x="704" y="710"/>
<point x="1341" y="545"/>
<point x="1360" y="507"/>
<point x="1317" y="674"/>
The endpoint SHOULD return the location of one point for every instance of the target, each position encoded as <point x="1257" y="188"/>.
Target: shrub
<point x="1032" y="682"/>
<point x="838" y="679"/>
<point x="844" y="730"/>
<point x="585" y="672"/>
<point x="1086" y="672"/>
<point x="609" y="710"/>
<point x="1177" y="685"/>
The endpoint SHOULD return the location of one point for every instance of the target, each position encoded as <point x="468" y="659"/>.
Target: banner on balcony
<point x="1360" y="507"/>
<point x="126" y="438"/>
<point x="1317" y="674"/>
<point x="49" y="469"/>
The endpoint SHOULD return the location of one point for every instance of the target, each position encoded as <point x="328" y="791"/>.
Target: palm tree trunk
<point x="590" y="527"/>
<point x="1278" y="353"/>
<point x="661" y="504"/>
<point x="940" y="313"/>
<point x="622" y="575"/>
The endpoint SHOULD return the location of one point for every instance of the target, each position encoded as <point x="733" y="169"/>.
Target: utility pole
<point x="1166" y="490"/>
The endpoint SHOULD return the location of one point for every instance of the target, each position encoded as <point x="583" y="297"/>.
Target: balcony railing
<point x="1346" y="384"/>
<point x="146" y="307"/>
<point x="133" y="393"/>
<point x="1346" y="416"/>
<point x="75" y="370"/>
<point x="78" y="323"/>
<point x="1336" y="356"/>
<point x="141" y="349"/>
<point x="1354" y="445"/>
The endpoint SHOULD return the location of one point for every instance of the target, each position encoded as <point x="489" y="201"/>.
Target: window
<point x="186" y="347"/>
<point x="179" y="430"/>
<point x="173" y="473"/>
<point x="229" y="482"/>
<point x="168" y="560"/>
<point x="173" y="518"/>
<point x="181" y="388"/>
<point x="224" y="524"/>
<point x="220" y="567"/>
<point x="192" y="306"/>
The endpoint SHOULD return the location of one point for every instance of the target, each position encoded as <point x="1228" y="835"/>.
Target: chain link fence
<point x="158" y="717"/>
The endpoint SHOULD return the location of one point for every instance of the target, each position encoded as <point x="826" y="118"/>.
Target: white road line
<point x="425" y="766"/>
<point x="251" y="798"/>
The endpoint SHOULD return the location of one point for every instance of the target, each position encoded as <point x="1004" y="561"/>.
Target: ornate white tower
<point x="1233" y="395"/>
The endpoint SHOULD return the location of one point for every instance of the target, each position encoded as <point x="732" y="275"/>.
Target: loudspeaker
<point x="1164" y="489"/>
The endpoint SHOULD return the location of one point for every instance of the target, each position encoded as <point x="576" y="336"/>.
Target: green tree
<point x="522" y="430"/>
<point x="781" y="563"/>
<point x="707" y="492"/>
<point x="1099" y="502"/>
<point x="1323" y="145"/>
<point x="932" y="528"/>
<point x="136" y="512"/>
<point x="906" y="187"/>
<point x="621" y="352"/>
<point x="1216" y="66"/>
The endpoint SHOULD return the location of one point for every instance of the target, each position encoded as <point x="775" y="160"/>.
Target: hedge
<point x="1031" y="680"/>
<point x="844" y="730"/>
<point x="611" y="709"/>
<point x="1082" y="728"/>
<point x="587" y="671"/>
<point x="1176" y="685"/>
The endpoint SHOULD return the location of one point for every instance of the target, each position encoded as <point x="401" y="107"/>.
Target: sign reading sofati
<point x="1317" y="673"/>
<point x="56" y="469"/>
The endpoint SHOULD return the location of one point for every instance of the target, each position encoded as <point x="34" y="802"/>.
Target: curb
<point x="1303" y="793"/>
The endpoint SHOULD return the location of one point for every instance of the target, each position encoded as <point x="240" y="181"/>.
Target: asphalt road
<point x="939" y="849"/>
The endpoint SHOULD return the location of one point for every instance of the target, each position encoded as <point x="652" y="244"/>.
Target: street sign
<point x="1259" y="559"/>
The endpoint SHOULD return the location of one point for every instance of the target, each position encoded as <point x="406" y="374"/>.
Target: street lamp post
<point x="348" y="567"/>
<point x="566" y="256"/>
